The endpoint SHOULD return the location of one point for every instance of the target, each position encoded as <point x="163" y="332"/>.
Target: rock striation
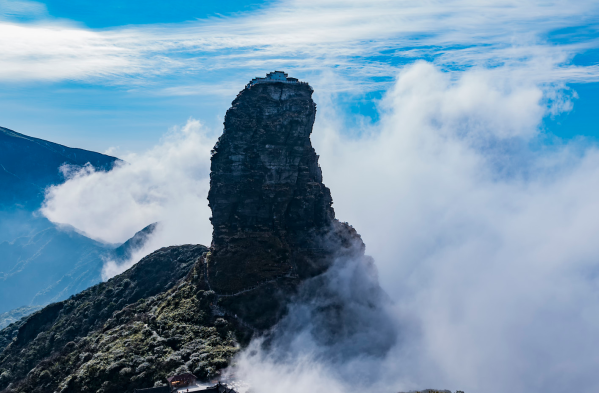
<point x="274" y="224"/>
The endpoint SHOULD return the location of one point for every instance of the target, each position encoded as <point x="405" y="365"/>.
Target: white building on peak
<point x="274" y="77"/>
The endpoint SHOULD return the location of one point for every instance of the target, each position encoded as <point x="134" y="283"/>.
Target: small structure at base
<point x="181" y="380"/>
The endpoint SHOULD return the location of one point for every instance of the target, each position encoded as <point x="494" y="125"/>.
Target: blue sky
<point x="111" y="13"/>
<point x="121" y="73"/>
<point x="99" y="114"/>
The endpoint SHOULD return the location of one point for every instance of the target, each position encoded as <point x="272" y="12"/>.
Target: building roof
<point x="274" y="77"/>
<point x="181" y="377"/>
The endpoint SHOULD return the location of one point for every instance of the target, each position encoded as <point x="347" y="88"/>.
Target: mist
<point x="167" y="184"/>
<point x="483" y="232"/>
<point x="482" y="227"/>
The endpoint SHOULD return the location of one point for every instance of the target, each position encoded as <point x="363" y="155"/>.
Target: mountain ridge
<point x="41" y="262"/>
<point x="190" y="309"/>
<point x="60" y="261"/>
<point x="120" y="307"/>
<point x="24" y="180"/>
<point x="15" y="315"/>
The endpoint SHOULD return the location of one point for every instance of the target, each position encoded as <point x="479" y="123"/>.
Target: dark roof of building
<point x="181" y="377"/>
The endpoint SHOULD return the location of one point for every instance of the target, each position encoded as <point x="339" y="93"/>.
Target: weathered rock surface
<point x="274" y="224"/>
<point x="190" y="308"/>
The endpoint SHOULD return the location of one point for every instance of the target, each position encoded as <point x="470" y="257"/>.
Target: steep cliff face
<point x="273" y="220"/>
<point x="190" y="308"/>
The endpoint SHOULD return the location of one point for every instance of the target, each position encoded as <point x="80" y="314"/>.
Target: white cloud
<point x="360" y="40"/>
<point x="168" y="184"/>
<point x="53" y="52"/>
<point x="486" y="244"/>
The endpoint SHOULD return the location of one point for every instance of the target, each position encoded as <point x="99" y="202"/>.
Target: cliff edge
<point x="274" y="224"/>
<point x="190" y="309"/>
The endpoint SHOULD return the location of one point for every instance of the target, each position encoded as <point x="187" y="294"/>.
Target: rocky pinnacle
<point x="272" y="215"/>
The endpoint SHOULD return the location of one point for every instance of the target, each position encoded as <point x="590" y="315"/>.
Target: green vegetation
<point x="14" y="320"/>
<point x="153" y="321"/>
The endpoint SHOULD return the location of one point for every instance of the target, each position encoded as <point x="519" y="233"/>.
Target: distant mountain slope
<point x="126" y="250"/>
<point x="16" y="223"/>
<point x="48" y="266"/>
<point x="53" y="263"/>
<point x="40" y="263"/>
<point x="28" y="165"/>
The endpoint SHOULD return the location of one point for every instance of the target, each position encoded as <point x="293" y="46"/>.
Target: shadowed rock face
<point x="271" y="212"/>
<point x="277" y="245"/>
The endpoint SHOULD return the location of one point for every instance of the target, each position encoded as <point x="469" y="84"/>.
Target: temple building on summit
<point x="273" y="77"/>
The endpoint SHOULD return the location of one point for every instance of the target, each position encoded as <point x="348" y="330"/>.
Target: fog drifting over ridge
<point x="483" y="236"/>
<point x="167" y="184"/>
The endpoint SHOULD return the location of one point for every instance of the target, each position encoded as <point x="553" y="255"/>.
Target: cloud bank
<point x="167" y="184"/>
<point x="363" y="41"/>
<point x="484" y="238"/>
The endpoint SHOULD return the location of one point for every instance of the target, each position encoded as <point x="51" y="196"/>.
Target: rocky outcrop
<point x="190" y="308"/>
<point x="274" y="224"/>
<point x="155" y="297"/>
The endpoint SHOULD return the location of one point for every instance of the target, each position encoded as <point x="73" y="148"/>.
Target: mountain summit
<point x="274" y="224"/>
<point x="189" y="309"/>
